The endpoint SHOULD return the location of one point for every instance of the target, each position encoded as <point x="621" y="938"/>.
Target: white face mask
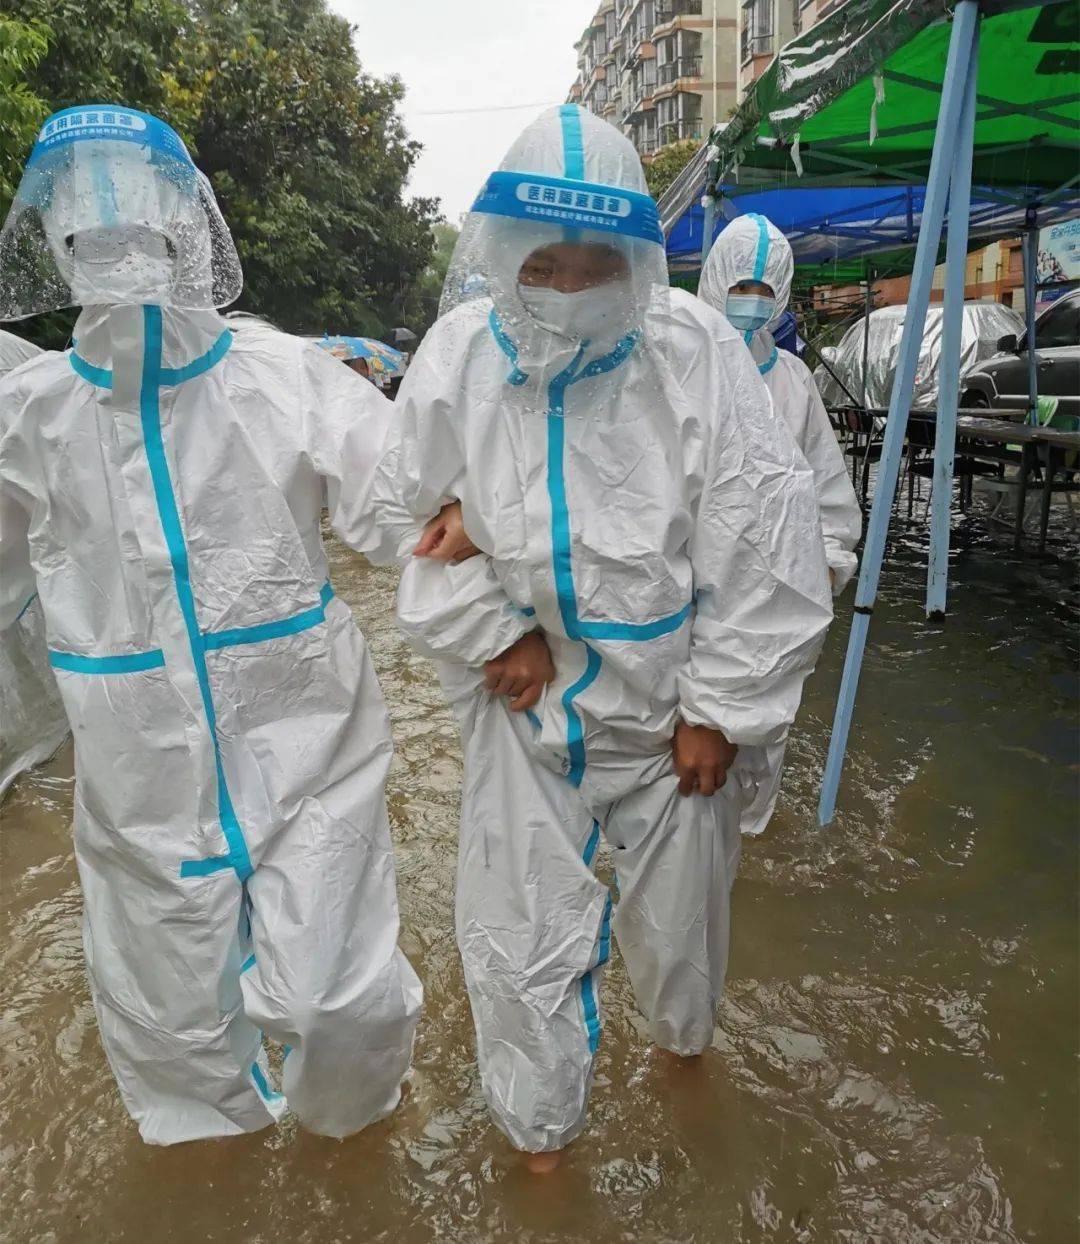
<point x="599" y="313"/>
<point x="121" y="266"/>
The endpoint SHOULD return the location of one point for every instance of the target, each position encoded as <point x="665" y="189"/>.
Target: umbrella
<point x="381" y="358"/>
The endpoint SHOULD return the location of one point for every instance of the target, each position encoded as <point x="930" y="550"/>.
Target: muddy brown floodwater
<point x="894" y="1060"/>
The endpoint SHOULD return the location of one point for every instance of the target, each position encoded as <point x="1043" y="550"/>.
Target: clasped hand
<point x="702" y="756"/>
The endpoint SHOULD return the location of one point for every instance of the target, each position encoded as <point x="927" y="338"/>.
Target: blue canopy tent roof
<point x="828" y="225"/>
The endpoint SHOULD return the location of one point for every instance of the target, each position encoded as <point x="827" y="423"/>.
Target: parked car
<point x="985" y="325"/>
<point x="1001" y="383"/>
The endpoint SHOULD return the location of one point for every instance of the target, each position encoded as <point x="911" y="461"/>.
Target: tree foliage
<point x="423" y="306"/>
<point x="668" y="164"/>
<point x="22" y="46"/>
<point x="306" y="152"/>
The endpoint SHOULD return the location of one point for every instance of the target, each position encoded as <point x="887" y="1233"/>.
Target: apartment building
<point x="765" y="26"/>
<point x="994" y="273"/>
<point x="660" y="70"/>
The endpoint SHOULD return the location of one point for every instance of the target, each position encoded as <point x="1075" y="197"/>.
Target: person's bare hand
<point x="444" y="538"/>
<point x="521" y="672"/>
<point x="832" y="578"/>
<point x="702" y="758"/>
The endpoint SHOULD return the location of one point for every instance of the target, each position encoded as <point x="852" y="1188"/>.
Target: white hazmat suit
<point x="751" y="248"/>
<point x="32" y="720"/>
<point x="636" y="502"/>
<point x="163" y="484"/>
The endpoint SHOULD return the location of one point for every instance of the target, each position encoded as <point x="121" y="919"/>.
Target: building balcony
<point x="669" y="10"/>
<point x="680" y="131"/>
<point x="686" y="67"/>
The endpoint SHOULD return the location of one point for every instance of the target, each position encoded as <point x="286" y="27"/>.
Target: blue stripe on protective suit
<point x="761" y="257"/>
<point x="131" y="663"/>
<point x="150" y="414"/>
<point x="517" y="376"/>
<point x="573" y="146"/>
<point x="263" y="631"/>
<point x="573" y="204"/>
<point x="770" y="362"/>
<point x="103" y="377"/>
<point x="22" y="611"/>
<point x="575" y="734"/>
<point x="261" y="1084"/>
<point x="588" y="990"/>
<point x="206" y="867"/>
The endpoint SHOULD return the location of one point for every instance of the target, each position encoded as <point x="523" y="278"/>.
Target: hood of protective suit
<point x="569" y="178"/>
<point x="111" y="210"/>
<point x="751" y="248"/>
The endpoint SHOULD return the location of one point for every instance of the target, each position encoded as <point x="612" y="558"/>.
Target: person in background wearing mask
<point x="162" y="486"/>
<point x="650" y="595"/>
<point x="32" y="720"/>
<point x="747" y="277"/>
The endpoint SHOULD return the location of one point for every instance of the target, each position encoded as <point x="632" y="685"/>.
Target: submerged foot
<point x="542" y="1163"/>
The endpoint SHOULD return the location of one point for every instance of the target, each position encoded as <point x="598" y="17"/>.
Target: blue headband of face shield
<point x="114" y="124"/>
<point x="573" y="204"/>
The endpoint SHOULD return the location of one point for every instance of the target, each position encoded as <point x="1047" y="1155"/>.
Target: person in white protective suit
<point x="651" y="595"/>
<point x="747" y="277"/>
<point x="32" y="720"/>
<point x="163" y="484"/>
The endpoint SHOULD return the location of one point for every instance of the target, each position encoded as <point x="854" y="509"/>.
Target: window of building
<point x="678" y="56"/>
<point x="667" y="10"/>
<point x="679" y="117"/>
<point x="757" y="28"/>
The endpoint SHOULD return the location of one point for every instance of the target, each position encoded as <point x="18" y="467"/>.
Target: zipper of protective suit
<point x="169" y="516"/>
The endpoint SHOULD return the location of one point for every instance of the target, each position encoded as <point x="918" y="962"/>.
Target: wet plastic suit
<point x="163" y="484"/>
<point x="672" y="558"/>
<point x="32" y="721"/>
<point x="751" y="248"/>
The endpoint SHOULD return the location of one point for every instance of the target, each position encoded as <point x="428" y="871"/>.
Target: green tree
<point x="423" y="307"/>
<point x="668" y="164"/>
<point x="306" y="152"/>
<point x="22" y="46"/>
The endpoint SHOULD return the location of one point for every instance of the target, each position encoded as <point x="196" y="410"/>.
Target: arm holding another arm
<point x="449" y="611"/>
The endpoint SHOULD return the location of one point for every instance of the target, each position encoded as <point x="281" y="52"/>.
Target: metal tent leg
<point x="1029" y="252"/>
<point x="952" y="99"/>
<point x="937" y="579"/>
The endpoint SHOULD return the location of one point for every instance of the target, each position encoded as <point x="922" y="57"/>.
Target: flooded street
<point x="894" y="1061"/>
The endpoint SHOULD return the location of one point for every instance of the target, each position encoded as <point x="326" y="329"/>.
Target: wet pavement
<point x="894" y="1060"/>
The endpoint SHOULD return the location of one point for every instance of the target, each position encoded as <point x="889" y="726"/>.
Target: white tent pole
<point x="937" y="187"/>
<point x="937" y="579"/>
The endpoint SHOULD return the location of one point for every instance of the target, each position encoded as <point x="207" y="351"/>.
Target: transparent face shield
<point x="559" y="258"/>
<point x="112" y="211"/>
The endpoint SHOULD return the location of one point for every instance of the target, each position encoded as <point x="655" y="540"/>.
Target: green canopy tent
<point x="857" y="97"/>
<point x="906" y="92"/>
